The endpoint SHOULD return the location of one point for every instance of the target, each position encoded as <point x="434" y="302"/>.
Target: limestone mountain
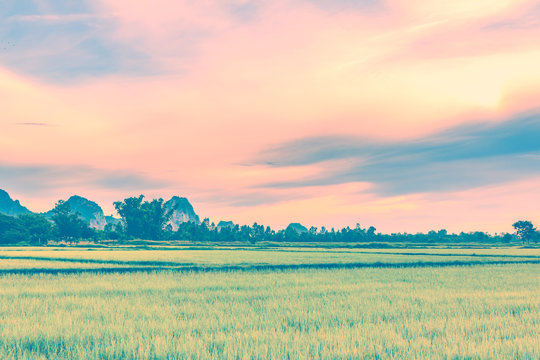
<point x="11" y="207"/>
<point x="225" y="224"/>
<point x="299" y="228"/>
<point x="182" y="211"/>
<point x="88" y="210"/>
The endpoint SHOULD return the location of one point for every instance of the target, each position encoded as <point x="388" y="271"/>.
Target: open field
<point x="215" y="259"/>
<point x="439" y="311"/>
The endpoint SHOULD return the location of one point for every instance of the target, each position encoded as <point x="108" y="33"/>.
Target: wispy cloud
<point x="55" y="18"/>
<point x="39" y="178"/>
<point x="64" y="42"/>
<point x="348" y="5"/>
<point x="527" y="19"/>
<point x="458" y="158"/>
<point x="248" y="198"/>
<point x="33" y="124"/>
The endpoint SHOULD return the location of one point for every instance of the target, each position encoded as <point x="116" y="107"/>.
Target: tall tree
<point x="69" y="225"/>
<point x="525" y="230"/>
<point x="38" y="228"/>
<point x="11" y="231"/>
<point x="143" y="219"/>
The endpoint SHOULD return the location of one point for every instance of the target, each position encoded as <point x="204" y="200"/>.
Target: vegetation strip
<point x="263" y="267"/>
<point x="398" y="253"/>
<point x="149" y="219"/>
<point x="96" y="261"/>
<point x="173" y="263"/>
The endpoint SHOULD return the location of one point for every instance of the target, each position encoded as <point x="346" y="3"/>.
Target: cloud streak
<point x="41" y="178"/>
<point x="459" y="158"/>
<point x="33" y="124"/>
<point x="55" y="18"/>
<point x="526" y="19"/>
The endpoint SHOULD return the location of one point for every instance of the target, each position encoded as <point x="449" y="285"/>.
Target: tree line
<point x="149" y="220"/>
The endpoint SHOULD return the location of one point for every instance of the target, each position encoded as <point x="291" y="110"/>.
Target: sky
<point x="405" y="115"/>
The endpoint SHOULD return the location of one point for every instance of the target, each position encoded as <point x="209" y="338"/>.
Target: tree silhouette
<point x="143" y="219"/>
<point x="525" y="230"/>
<point x="69" y="225"/>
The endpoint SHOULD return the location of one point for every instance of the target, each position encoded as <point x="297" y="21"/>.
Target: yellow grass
<point x="484" y="312"/>
<point x="243" y="257"/>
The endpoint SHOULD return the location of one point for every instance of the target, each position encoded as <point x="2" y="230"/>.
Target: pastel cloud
<point x="463" y="157"/>
<point x="184" y="94"/>
<point x="63" y="41"/>
<point x="37" y="179"/>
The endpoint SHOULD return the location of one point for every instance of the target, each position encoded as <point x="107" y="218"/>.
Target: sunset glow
<point x="404" y="115"/>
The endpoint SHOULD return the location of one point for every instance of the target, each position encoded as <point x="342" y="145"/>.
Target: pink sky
<point x="226" y="103"/>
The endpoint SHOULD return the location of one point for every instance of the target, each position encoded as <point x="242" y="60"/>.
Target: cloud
<point x="65" y="42"/>
<point x="33" y="124"/>
<point x="459" y="158"/>
<point x="244" y="10"/>
<point x="40" y="178"/>
<point x="525" y="19"/>
<point x="348" y="5"/>
<point x="72" y="41"/>
<point x="54" y="18"/>
<point x="247" y="199"/>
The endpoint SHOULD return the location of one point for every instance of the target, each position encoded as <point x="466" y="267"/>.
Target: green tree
<point x="69" y="225"/>
<point x="507" y="238"/>
<point x="157" y="217"/>
<point x="371" y="232"/>
<point x="132" y="215"/>
<point x="38" y="228"/>
<point x="11" y="231"/>
<point x="143" y="219"/>
<point x="525" y="230"/>
<point x="113" y="231"/>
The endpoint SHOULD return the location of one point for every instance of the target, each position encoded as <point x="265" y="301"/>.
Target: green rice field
<point x="77" y="303"/>
<point x="43" y="259"/>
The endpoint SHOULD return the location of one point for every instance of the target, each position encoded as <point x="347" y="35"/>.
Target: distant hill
<point x="11" y="207"/>
<point x="299" y="228"/>
<point x="182" y="211"/>
<point x="88" y="210"/>
<point x="92" y="213"/>
<point x="112" y="220"/>
<point x="225" y="224"/>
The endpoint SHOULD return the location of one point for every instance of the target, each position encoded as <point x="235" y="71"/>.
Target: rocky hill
<point x="88" y="210"/>
<point x="92" y="213"/>
<point x="225" y="224"/>
<point x="299" y="228"/>
<point x="11" y="207"/>
<point x="182" y="211"/>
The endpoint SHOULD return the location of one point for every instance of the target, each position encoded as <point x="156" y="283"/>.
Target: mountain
<point x="182" y="212"/>
<point x="88" y="210"/>
<point x="225" y="224"/>
<point x="11" y="207"/>
<point x="112" y="220"/>
<point x="299" y="228"/>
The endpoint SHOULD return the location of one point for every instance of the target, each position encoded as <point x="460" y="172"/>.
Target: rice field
<point x="478" y="310"/>
<point x="45" y="258"/>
